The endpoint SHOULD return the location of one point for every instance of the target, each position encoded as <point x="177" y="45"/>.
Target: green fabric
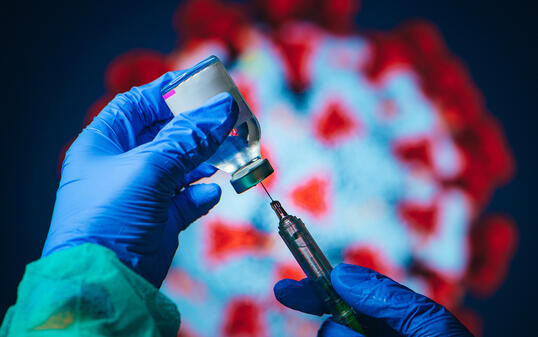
<point x="86" y="291"/>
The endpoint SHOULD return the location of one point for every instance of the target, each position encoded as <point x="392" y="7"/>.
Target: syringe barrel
<point x="318" y="269"/>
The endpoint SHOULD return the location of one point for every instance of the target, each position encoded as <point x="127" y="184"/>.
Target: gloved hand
<point x="385" y="307"/>
<point x="126" y="180"/>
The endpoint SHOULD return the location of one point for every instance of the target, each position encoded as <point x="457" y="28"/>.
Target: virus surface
<point x="381" y="142"/>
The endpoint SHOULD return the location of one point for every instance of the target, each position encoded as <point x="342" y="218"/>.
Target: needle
<point x="266" y="191"/>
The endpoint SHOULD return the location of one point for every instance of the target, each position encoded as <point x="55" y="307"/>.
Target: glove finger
<point x="129" y="113"/>
<point x="403" y="310"/>
<point x="192" y="137"/>
<point x="299" y="295"/>
<point x="203" y="171"/>
<point x="194" y="202"/>
<point x="330" y="328"/>
<point x="149" y="132"/>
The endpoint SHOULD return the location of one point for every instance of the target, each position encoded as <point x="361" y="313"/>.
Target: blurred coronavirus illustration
<point x="381" y="143"/>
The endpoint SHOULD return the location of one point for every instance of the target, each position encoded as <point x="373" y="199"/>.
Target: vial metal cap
<point x="251" y="175"/>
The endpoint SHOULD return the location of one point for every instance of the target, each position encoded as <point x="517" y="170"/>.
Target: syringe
<point x="315" y="265"/>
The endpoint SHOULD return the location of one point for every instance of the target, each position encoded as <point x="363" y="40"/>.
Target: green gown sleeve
<point x="87" y="291"/>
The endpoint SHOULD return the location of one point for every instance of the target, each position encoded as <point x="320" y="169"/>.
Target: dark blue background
<point x="55" y="55"/>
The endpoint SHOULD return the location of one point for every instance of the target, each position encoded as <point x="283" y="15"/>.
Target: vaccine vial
<point x="239" y="155"/>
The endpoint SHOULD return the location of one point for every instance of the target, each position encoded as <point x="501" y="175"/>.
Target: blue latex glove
<point x="126" y="180"/>
<point x="386" y="308"/>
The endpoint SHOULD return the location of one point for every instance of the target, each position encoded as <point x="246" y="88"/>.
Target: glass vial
<point x="239" y="155"/>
